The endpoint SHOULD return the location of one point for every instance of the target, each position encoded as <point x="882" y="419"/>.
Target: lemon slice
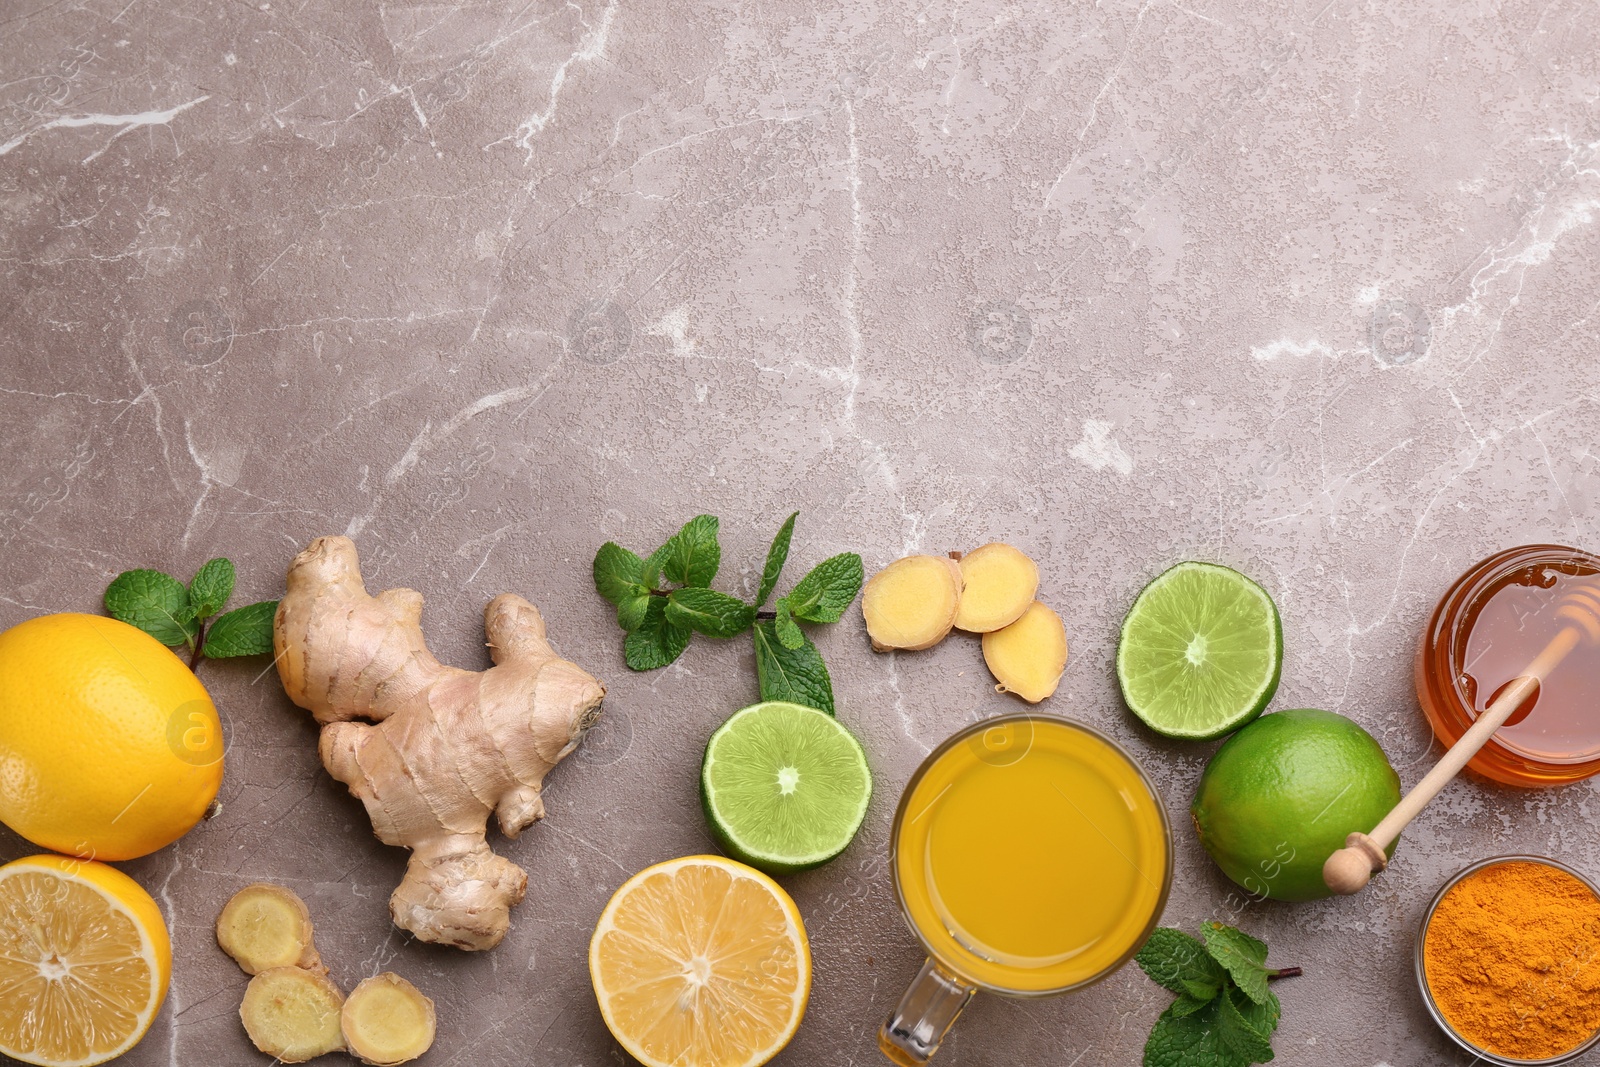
<point x="84" y="961"/>
<point x="701" y="962"/>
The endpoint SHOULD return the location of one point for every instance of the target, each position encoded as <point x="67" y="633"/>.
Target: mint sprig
<point x="665" y="598"/>
<point x="1224" y="1015"/>
<point x="175" y="614"/>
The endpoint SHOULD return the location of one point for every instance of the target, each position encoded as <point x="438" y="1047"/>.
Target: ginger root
<point x="1027" y="657"/>
<point x="911" y="604"/>
<point x="999" y="582"/>
<point x="386" y="1021"/>
<point x="293" y="1014"/>
<point x="266" y="926"/>
<point x="443" y="748"/>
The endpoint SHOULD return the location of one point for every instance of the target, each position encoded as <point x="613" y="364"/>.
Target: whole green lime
<point x="1282" y="794"/>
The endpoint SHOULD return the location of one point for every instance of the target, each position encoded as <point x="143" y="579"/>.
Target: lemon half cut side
<point x="701" y="962"/>
<point x="84" y="961"/>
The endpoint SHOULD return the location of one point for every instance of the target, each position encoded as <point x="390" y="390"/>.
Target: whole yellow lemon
<point x="109" y="746"/>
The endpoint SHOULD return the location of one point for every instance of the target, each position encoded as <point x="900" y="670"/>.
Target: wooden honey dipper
<point x="1352" y="867"/>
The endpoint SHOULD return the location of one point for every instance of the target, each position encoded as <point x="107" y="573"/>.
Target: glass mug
<point x="1031" y="857"/>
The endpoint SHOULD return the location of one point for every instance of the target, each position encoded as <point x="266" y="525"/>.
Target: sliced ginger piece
<point x="999" y="582"/>
<point x="1027" y="657"/>
<point x="266" y="926"/>
<point x="912" y="603"/>
<point x="387" y="1020"/>
<point x="293" y="1014"/>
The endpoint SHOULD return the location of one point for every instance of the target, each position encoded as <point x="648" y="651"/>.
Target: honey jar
<point x="1484" y="631"/>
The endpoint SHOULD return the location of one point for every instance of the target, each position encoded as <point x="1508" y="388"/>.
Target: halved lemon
<point x="84" y="961"/>
<point x="701" y="962"/>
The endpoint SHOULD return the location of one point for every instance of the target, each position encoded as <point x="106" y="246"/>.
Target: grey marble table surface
<point x="1310" y="288"/>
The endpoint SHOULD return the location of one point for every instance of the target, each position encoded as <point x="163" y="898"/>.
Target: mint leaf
<point x="1185" y="1040"/>
<point x="650" y="577"/>
<point x="211" y="587"/>
<point x="631" y="611"/>
<point x="618" y="573"/>
<point x="789" y="635"/>
<point x="1242" y="956"/>
<point x="1176" y="961"/>
<point x="1214" y="1034"/>
<point x="245" y="631"/>
<point x="777" y="555"/>
<point x="797" y="675"/>
<point x="709" y="612"/>
<point x="156" y="603"/>
<point x="1263" y="1018"/>
<point x="1235" y="1033"/>
<point x="619" y="577"/>
<point x="1187" y="1005"/>
<point x="693" y="554"/>
<point x="655" y="642"/>
<point x="827" y="590"/>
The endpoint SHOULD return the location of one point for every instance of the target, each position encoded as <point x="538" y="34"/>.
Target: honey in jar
<point x="1484" y="632"/>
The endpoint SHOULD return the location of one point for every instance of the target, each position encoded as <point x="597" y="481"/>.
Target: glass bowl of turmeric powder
<point x="1508" y="959"/>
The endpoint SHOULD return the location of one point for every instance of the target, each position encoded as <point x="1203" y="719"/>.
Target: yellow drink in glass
<point x="1031" y="857"/>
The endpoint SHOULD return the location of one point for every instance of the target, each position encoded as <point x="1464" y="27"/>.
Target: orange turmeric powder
<point x="1512" y="960"/>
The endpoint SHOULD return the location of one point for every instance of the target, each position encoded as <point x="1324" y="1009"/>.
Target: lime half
<point x="1200" y="652"/>
<point x="785" y="787"/>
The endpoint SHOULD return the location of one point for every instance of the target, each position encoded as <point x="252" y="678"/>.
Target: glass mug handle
<point x="924" y="1015"/>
